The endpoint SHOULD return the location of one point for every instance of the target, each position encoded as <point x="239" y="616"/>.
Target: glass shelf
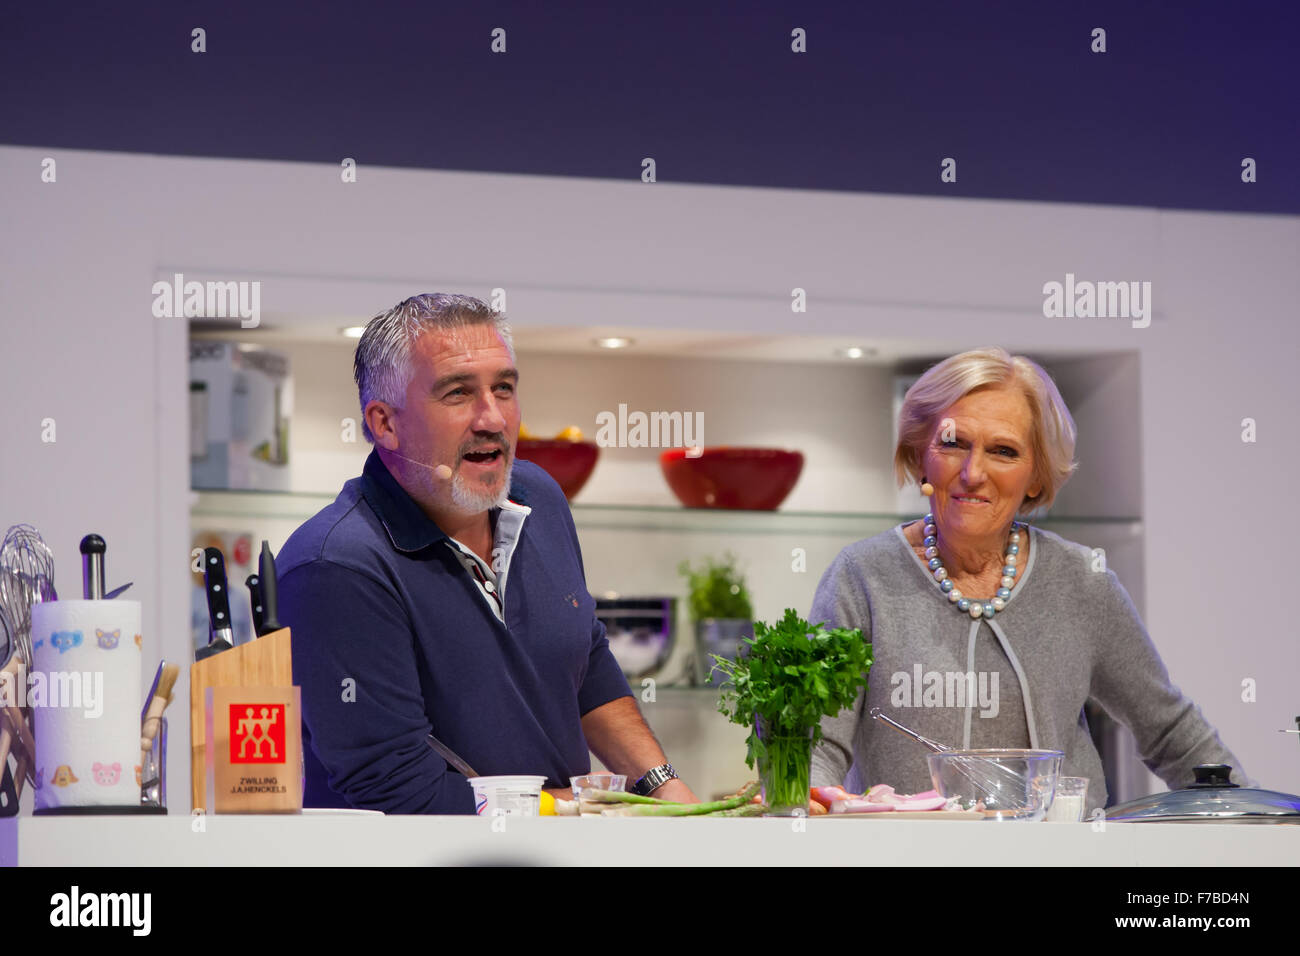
<point x="299" y="506"/>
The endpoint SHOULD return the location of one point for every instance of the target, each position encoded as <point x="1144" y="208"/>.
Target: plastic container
<point x="597" y="781"/>
<point x="511" y="796"/>
<point x="1068" y="804"/>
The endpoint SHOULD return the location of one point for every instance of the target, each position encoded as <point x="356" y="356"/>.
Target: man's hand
<point x="618" y="735"/>
<point x="565" y="794"/>
<point x="677" y="791"/>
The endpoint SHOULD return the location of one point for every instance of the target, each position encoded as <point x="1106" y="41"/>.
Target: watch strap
<point x="653" y="779"/>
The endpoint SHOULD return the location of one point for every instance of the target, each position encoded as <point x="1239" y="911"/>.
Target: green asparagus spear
<point x="619" y="796"/>
<point x="685" y="809"/>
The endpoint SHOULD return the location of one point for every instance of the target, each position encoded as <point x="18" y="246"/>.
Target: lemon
<point x="547" y="806"/>
<point x="572" y="433"/>
<point x="524" y="433"/>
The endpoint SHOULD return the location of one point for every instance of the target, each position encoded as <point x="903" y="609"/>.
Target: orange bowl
<point x="570" y="463"/>
<point x="749" y="479"/>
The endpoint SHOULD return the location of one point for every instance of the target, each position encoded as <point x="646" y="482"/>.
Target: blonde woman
<point x="986" y="631"/>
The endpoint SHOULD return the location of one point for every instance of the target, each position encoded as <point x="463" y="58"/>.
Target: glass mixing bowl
<point x="1003" y="784"/>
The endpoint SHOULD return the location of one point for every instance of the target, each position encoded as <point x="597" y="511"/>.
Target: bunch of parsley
<point x="792" y="675"/>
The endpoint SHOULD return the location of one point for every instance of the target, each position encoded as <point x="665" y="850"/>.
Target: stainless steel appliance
<point x="641" y="631"/>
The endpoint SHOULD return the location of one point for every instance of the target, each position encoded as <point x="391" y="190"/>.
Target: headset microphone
<point x="439" y="471"/>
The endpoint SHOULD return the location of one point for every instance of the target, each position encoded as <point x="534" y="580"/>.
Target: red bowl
<point x="750" y="479"/>
<point x="570" y="463"/>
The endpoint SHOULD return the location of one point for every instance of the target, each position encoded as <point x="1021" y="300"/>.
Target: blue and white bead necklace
<point x="976" y="609"/>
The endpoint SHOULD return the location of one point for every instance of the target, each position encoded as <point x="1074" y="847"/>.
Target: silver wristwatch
<point x="654" y="778"/>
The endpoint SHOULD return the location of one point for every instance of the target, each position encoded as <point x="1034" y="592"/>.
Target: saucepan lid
<point x="1211" y="799"/>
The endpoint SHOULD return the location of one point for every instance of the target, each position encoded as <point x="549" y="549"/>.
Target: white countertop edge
<point x="318" y="840"/>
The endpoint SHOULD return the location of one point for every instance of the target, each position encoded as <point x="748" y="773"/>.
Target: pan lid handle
<point x="1213" y="775"/>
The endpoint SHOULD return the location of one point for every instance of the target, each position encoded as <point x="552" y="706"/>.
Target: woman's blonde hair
<point x="1052" y="434"/>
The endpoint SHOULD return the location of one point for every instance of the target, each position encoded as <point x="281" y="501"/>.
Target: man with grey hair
<point x="443" y="591"/>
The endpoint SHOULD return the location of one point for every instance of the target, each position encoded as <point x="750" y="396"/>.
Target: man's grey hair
<point x="382" y="366"/>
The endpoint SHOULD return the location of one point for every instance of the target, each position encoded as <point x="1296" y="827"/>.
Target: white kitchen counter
<point x="424" y="841"/>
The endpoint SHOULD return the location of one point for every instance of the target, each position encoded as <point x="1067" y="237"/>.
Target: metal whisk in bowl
<point x="1004" y="784"/>
<point x="1023" y="787"/>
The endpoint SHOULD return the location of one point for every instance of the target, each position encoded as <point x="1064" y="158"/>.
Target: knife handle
<point x="270" y="589"/>
<point x="254" y="585"/>
<point x="214" y="584"/>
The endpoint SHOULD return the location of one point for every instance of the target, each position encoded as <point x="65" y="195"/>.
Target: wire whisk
<point x="24" y="550"/>
<point x="26" y="578"/>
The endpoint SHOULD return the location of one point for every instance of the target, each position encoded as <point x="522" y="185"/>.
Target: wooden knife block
<point x="265" y="662"/>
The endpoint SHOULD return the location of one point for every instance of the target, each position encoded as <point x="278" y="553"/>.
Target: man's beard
<point x="472" y="500"/>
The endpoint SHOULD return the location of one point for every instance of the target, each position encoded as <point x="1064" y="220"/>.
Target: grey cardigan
<point x="1067" y="634"/>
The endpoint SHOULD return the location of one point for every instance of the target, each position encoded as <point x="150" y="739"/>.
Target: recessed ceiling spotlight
<point x="353" y="331"/>
<point x="854" y="352"/>
<point x="612" y="343"/>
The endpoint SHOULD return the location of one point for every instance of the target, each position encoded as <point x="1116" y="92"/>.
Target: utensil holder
<point x="264" y="662"/>
<point x="254" y="749"/>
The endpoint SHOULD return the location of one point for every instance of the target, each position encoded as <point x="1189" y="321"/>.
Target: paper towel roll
<point x="85" y="691"/>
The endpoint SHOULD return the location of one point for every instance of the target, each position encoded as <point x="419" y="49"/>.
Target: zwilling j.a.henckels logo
<point x="257" y="733"/>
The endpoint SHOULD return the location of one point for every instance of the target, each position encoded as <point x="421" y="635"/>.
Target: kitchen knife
<point x="254" y="585"/>
<point x="449" y="755"/>
<point x="218" y="594"/>
<point x="270" y="591"/>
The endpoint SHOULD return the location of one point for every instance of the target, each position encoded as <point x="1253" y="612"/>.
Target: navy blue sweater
<point x="392" y="640"/>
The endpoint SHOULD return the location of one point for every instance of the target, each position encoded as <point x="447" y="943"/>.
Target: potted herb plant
<point x="792" y="676"/>
<point x="721" y="609"/>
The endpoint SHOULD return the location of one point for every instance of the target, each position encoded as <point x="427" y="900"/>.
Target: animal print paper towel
<point x="85" y="691"/>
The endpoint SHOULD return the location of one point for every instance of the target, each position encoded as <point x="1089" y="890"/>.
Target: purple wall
<point x="884" y="93"/>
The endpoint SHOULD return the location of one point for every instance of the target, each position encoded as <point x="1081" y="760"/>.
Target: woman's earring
<point x="927" y="489"/>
